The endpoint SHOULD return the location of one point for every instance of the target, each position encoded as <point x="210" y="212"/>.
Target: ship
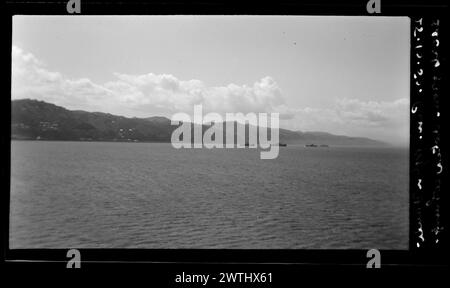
<point x="279" y="144"/>
<point x="315" y="145"/>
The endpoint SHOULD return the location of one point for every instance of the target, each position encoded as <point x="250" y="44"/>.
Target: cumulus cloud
<point x="372" y="113"/>
<point x="138" y="95"/>
<point x="32" y="79"/>
<point x="385" y="120"/>
<point x="177" y="95"/>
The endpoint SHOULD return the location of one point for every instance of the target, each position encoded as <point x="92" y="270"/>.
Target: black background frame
<point x="428" y="201"/>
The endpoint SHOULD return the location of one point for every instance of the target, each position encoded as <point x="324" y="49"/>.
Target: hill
<point x="33" y="119"/>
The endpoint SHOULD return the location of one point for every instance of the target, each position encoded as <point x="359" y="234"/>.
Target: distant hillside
<point x="33" y="119"/>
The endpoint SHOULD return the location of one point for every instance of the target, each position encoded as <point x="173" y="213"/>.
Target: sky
<point x="342" y="75"/>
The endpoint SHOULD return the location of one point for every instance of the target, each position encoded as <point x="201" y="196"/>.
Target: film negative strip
<point x="428" y="205"/>
<point x="426" y="157"/>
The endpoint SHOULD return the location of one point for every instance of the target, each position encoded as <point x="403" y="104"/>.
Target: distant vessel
<point x="315" y="145"/>
<point x="279" y="144"/>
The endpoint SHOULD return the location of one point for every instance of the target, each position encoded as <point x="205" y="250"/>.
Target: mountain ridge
<point x="34" y="119"/>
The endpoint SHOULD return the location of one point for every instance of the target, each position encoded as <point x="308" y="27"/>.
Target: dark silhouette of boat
<point x="315" y="145"/>
<point x="279" y="144"/>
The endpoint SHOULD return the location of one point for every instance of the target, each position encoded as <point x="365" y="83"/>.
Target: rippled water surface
<point x="142" y="195"/>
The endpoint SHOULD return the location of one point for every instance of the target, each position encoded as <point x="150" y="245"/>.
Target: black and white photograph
<point x="210" y="132"/>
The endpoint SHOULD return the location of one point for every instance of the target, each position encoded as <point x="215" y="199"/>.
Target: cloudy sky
<point x="343" y="75"/>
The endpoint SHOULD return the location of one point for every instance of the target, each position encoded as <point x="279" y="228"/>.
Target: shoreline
<point x="165" y="142"/>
